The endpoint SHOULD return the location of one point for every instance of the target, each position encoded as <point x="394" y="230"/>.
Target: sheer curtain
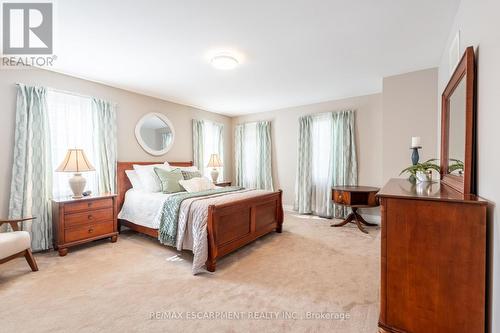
<point x="213" y="144"/>
<point x="326" y="157"/>
<point x="71" y="126"/>
<point x="321" y="164"/>
<point x="253" y="155"/>
<point x="208" y="139"/>
<point x="249" y="158"/>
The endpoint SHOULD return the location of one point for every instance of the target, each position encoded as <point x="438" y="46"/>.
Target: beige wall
<point x="409" y="109"/>
<point x="385" y="124"/>
<point x="285" y="130"/>
<point x="480" y="27"/>
<point x="131" y="107"/>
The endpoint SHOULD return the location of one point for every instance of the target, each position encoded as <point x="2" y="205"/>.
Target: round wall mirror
<point x="155" y="133"/>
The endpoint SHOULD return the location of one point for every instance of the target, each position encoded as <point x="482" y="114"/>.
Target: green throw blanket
<point x="169" y="215"/>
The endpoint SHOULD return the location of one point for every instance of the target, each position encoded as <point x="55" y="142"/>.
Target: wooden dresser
<point x="433" y="258"/>
<point x="78" y="221"/>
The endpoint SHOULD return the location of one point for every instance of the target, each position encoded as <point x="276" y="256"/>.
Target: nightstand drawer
<point x="340" y="197"/>
<point x="223" y="184"/>
<point x="87" y="205"/>
<point x="88" y="217"/>
<point x="88" y="231"/>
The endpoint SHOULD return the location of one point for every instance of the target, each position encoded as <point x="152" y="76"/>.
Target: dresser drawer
<point x="88" y="217"/>
<point x="87" y="205"/>
<point x="88" y="231"/>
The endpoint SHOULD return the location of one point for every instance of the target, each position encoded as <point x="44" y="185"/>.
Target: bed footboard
<point x="235" y="224"/>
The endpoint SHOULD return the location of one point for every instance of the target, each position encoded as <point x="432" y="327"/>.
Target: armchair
<point x="16" y="243"/>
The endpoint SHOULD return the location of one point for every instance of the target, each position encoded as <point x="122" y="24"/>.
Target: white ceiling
<point x="294" y="52"/>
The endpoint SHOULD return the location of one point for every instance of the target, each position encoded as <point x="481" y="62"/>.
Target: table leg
<point x="362" y="220"/>
<point x="358" y="222"/>
<point x="356" y="218"/>
<point x="348" y="219"/>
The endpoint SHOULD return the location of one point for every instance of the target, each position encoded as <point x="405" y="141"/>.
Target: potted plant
<point x="456" y="166"/>
<point x="422" y="172"/>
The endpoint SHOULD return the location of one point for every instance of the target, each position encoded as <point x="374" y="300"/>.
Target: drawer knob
<point x="90" y="217"/>
<point x="89" y="204"/>
<point x="91" y="230"/>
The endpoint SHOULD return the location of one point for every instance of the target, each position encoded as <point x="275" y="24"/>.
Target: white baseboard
<point x="368" y="218"/>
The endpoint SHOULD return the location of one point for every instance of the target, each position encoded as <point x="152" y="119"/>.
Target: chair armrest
<point x="13" y="222"/>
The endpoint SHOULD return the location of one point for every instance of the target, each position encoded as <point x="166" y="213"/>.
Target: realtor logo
<point x="27" y="28"/>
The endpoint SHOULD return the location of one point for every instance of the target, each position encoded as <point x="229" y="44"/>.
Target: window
<point x="207" y="140"/>
<point x="70" y="122"/>
<point x="214" y="144"/>
<point x="253" y="155"/>
<point x="326" y="157"/>
<point x="321" y="177"/>
<point x="249" y="160"/>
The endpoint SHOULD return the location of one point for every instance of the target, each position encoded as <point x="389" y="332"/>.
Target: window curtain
<point x="212" y="144"/>
<point x="198" y="152"/>
<point x="31" y="185"/>
<point x="239" y="135"/>
<point x="253" y="155"/>
<point x="165" y="138"/>
<point x="104" y="121"/>
<point x="326" y="158"/>
<point x="208" y="139"/>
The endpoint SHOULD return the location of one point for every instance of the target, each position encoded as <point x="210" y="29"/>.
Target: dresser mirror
<point x="458" y="127"/>
<point x="155" y="133"/>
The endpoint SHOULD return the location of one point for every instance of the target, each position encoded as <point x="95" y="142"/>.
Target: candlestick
<point x="415" y="142"/>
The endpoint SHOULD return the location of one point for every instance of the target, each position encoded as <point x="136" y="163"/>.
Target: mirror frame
<point x="141" y="141"/>
<point x="465" y="70"/>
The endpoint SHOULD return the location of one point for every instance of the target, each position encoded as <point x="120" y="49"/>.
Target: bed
<point x="231" y="223"/>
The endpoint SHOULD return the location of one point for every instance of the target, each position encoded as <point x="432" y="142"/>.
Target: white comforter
<point x="144" y="209"/>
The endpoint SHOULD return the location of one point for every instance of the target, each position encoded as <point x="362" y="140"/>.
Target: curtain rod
<point x="69" y="93"/>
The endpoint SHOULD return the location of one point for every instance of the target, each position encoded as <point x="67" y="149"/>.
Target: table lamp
<point x="76" y="162"/>
<point x="214" y="163"/>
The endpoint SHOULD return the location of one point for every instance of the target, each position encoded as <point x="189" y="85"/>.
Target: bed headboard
<point x="123" y="184"/>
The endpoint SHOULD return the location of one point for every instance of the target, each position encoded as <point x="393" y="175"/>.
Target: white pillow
<point x="197" y="184"/>
<point x="134" y="179"/>
<point x="149" y="180"/>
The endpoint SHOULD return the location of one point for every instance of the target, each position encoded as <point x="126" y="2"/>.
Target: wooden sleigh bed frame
<point x="230" y="225"/>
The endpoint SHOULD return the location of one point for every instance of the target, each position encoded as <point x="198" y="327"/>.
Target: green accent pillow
<point x="170" y="180"/>
<point x="190" y="174"/>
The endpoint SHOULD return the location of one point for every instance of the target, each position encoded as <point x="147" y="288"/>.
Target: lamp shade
<point x="214" y="161"/>
<point x="75" y="161"/>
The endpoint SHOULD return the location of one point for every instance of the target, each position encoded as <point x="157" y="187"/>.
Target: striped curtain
<point x="198" y="152"/>
<point x="253" y="155"/>
<point x="105" y="145"/>
<point x="31" y="185"/>
<point x="326" y="158"/>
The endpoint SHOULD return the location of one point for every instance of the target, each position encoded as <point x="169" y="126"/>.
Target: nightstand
<point x="78" y="221"/>
<point x="223" y="184"/>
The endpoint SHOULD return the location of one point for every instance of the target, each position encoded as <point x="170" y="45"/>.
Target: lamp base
<point x="77" y="184"/>
<point x="215" y="175"/>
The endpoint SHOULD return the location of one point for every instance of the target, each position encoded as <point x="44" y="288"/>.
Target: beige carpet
<point x="268" y="286"/>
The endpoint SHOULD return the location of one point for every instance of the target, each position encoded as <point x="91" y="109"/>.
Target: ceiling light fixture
<point x="224" y="62"/>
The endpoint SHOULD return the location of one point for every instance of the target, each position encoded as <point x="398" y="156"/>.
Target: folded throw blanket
<point x="169" y="215"/>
